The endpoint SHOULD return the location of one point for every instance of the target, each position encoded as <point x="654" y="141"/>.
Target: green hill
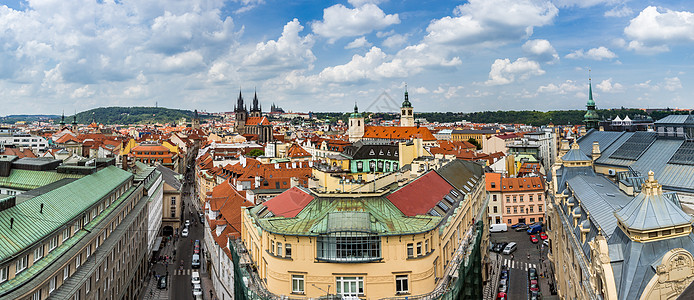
<point x="133" y="115"/>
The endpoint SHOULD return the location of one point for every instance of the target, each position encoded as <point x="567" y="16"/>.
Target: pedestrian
<point x="512" y="256"/>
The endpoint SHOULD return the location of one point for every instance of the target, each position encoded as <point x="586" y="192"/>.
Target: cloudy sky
<point x="324" y="55"/>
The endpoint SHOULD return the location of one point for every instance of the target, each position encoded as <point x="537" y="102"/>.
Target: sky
<point x="461" y="56"/>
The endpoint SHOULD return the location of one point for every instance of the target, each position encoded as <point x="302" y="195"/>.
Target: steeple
<point x="74" y="120"/>
<point x="62" y="120"/>
<point x="255" y="102"/>
<point x="406" y="103"/>
<point x="590" y="119"/>
<point x="239" y="101"/>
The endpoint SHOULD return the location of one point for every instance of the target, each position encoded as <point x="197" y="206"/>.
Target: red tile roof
<point x="496" y="179"/>
<point x="295" y="151"/>
<point x="421" y="195"/>
<point x="289" y="203"/>
<point x="257" y="121"/>
<point x="522" y="184"/>
<point x="398" y="133"/>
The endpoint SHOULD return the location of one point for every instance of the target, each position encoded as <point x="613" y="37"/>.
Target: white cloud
<point x="652" y="31"/>
<point x="619" y="12"/>
<point x="181" y="62"/>
<point x="503" y="71"/>
<point x="357" y="3"/>
<point x="672" y="83"/>
<point x="540" y="50"/>
<point x="340" y="21"/>
<point x="599" y="53"/>
<point x="566" y="87"/>
<point x="358" y="69"/>
<point x="490" y="22"/>
<point x="395" y="40"/>
<point x="421" y="90"/>
<point x="358" y="43"/>
<point x="288" y="52"/>
<point x="248" y="5"/>
<point x="608" y="87"/>
<point x="582" y="3"/>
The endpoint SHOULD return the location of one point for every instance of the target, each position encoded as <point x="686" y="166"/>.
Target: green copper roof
<point x="375" y="214"/>
<point x="406" y="103"/>
<point x="29" y="180"/>
<point x="591" y="102"/>
<point x="60" y="206"/>
<point x="356" y="113"/>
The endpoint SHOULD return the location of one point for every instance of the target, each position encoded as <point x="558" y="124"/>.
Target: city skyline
<point x="472" y="56"/>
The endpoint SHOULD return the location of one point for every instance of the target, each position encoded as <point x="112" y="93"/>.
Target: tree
<point x="256" y="153"/>
<point x="474" y="142"/>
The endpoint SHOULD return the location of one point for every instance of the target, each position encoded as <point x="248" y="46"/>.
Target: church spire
<point x="255" y="106"/>
<point x="239" y="100"/>
<point x="590" y="119"/>
<point x="62" y="119"/>
<point x="406" y="103"/>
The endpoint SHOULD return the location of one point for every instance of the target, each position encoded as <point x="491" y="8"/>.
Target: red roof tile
<point x="420" y="195"/>
<point x="289" y="203"/>
<point x="398" y="133"/>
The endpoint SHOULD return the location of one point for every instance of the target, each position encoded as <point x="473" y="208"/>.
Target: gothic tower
<point x="406" y="113"/>
<point x="196" y="120"/>
<point x="255" y="109"/>
<point x="241" y="115"/>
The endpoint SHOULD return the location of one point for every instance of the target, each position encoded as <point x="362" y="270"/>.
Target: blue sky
<point x="324" y="55"/>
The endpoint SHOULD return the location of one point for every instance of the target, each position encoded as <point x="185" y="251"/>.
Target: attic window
<point x="433" y="212"/>
<point x="269" y="215"/>
<point x="454" y="193"/>
<point x="666" y="232"/>
<point x="653" y="234"/>
<point x="493" y="185"/>
<point x="449" y="199"/>
<point x="443" y="206"/>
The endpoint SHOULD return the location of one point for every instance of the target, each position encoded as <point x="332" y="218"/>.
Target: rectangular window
<point x="426" y="246"/>
<point x="89" y="250"/>
<point x="21" y="264"/>
<point x="539" y="197"/>
<point x="514" y="199"/>
<point x="401" y="284"/>
<point x="3" y="273"/>
<point x="508" y="199"/>
<point x="350" y="286"/>
<point x="78" y="261"/>
<point x="495" y="209"/>
<point x="279" y="249"/>
<point x="288" y="250"/>
<point x="531" y="198"/>
<point x="419" y="248"/>
<point x="522" y="208"/>
<point x="494" y="197"/>
<point x="272" y="247"/>
<point x="515" y="209"/>
<point x="508" y="210"/>
<point x="521" y="198"/>
<point x="88" y="285"/>
<point x="66" y="272"/>
<point x="97" y="275"/>
<point x="410" y="250"/>
<point x="66" y="234"/>
<point x="173" y="200"/>
<point x="51" y="285"/>
<point x="539" y="208"/>
<point x="298" y="284"/>
<point x="52" y="243"/>
<point x="36" y="295"/>
<point x="76" y="227"/>
<point x="38" y="253"/>
<point x="530" y="208"/>
<point x="532" y="220"/>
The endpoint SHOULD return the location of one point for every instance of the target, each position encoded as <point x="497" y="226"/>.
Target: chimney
<point x="596" y="150"/>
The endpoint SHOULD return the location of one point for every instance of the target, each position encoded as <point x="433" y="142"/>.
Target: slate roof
<point x="170" y="177"/>
<point x="575" y="155"/>
<point x="367" y="150"/>
<point x="676" y="119"/>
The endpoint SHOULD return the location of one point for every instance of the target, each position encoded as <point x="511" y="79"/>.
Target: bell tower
<point x="406" y="112"/>
<point x="356" y="125"/>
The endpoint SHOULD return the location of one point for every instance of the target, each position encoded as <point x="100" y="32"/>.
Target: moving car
<point x="535" y="228"/>
<point x="184" y="233"/>
<point x="543" y="236"/>
<point x="534" y="239"/>
<point x="512" y="246"/>
<point x="521" y="228"/>
<point x="532" y="274"/>
<point x="162" y="282"/>
<point x="498" y="227"/>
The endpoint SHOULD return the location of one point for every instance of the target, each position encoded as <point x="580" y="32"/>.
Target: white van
<point x="195" y="264"/>
<point x="498" y="227"/>
<point x="195" y="278"/>
<point x="510" y="248"/>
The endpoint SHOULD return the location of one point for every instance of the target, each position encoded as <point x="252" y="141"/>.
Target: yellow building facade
<point x="370" y="245"/>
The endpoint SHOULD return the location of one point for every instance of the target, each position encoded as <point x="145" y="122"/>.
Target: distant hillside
<point x="11" y="119"/>
<point x="133" y="115"/>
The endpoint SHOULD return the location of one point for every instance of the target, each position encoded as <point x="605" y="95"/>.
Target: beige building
<point x="607" y="244"/>
<point x="374" y="244"/>
<point x="172" y="202"/>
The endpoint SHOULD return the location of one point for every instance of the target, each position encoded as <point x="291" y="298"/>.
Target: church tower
<point x="590" y="119"/>
<point x="356" y="125"/>
<point x="256" y="111"/>
<point x="241" y="115"/>
<point x="196" y="120"/>
<point x="406" y="114"/>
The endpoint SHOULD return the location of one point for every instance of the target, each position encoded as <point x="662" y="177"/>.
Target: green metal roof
<point x="377" y="214"/>
<point x="29" y="180"/>
<point x="60" y="206"/>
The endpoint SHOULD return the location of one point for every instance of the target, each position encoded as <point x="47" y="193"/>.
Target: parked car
<point x="498" y="227"/>
<point x="546" y="243"/>
<point x="519" y="224"/>
<point x="162" y="282"/>
<point x="532" y="274"/>
<point x="197" y="290"/>
<point x="535" y="228"/>
<point x="543" y="236"/>
<point x="195" y="278"/>
<point x="522" y="228"/>
<point x="512" y="246"/>
<point x="503" y="286"/>
<point x="504" y="274"/>
<point x="501" y="296"/>
<point x="187" y="223"/>
<point x="533" y="238"/>
<point x="535" y="296"/>
<point x="499" y="247"/>
<point x="533" y="286"/>
<point x="184" y="233"/>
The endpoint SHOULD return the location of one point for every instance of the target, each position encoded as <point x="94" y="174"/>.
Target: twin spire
<point x="255" y="105"/>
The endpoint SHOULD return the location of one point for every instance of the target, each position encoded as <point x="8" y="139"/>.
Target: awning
<point x="157" y="243"/>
